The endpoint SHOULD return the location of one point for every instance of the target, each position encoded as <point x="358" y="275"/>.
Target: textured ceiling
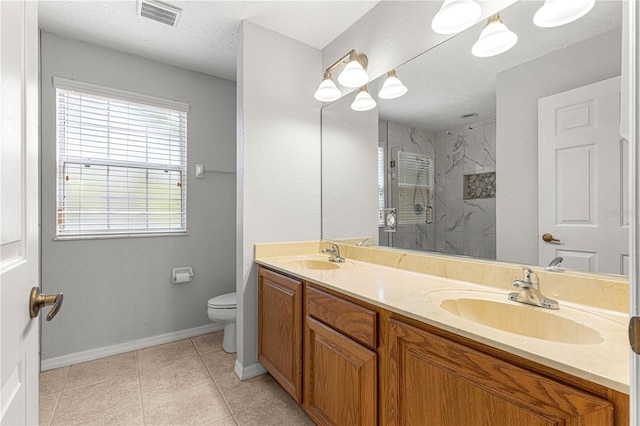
<point x="205" y="38"/>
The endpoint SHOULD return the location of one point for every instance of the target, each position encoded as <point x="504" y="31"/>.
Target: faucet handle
<point x="554" y="265"/>
<point x="527" y="274"/>
<point x="520" y="284"/>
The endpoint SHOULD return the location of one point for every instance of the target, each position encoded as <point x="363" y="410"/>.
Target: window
<point x="381" y="173"/>
<point x="121" y="162"/>
<point x="415" y="188"/>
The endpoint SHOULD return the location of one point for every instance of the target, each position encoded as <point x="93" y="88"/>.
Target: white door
<point x="19" y="211"/>
<point x="583" y="179"/>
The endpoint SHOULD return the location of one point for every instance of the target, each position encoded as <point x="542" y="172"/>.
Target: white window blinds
<point x="121" y="165"/>
<point x="381" y="173"/>
<point x="415" y="188"/>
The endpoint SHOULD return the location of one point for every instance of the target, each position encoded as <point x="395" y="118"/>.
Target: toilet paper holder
<point x="183" y="274"/>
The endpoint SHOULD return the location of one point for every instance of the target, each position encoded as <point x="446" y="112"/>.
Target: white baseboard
<point x="90" y="355"/>
<point x="245" y="373"/>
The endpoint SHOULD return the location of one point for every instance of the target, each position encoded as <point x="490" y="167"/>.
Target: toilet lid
<point x="224" y="301"/>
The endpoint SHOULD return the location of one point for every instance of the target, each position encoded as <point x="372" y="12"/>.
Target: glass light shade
<point x="327" y="91"/>
<point x="494" y="40"/>
<point x="392" y="87"/>
<point x="455" y="16"/>
<point x="353" y="75"/>
<point x="554" y="13"/>
<point x="363" y="101"/>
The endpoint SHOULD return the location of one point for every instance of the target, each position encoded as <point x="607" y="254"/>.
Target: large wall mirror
<point x="483" y="156"/>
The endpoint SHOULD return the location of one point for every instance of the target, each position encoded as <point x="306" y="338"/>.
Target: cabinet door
<point x="340" y="378"/>
<point x="433" y="381"/>
<point x="280" y="329"/>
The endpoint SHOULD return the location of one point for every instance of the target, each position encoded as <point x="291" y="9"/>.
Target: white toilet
<point x="222" y="309"/>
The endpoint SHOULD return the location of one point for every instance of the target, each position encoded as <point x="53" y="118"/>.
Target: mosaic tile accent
<point x="480" y="185"/>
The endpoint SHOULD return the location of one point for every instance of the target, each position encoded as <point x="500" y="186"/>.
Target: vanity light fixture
<point x="327" y="91"/>
<point x="353" y="75"/>
<point x="392" y="87"/>
<point x="494" y="39"/>
<point x="554" y="13"/>
<point x="363" y="101"/>
<point x="455" y="16"/>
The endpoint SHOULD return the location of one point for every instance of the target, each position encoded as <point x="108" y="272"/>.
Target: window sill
<point x="118" y="236"/>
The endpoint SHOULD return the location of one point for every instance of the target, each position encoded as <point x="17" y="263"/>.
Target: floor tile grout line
<point x="164" y="364"/>
<point x="55" y="407"/>
<point x="284" y="392"/>
<point x="191" y="386"/>
<point x="140" y="390"/>
<point x="217" y="387"/>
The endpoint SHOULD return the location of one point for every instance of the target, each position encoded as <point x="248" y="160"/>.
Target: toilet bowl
<point x="222" y="309"/>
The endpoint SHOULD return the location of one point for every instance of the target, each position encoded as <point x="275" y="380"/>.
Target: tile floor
<point x="188" y="382"/>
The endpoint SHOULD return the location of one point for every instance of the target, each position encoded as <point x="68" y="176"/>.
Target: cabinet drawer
<point x="353" y="320"/>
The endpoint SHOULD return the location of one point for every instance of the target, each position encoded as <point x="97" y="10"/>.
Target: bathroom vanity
<point x="372" y="342"/>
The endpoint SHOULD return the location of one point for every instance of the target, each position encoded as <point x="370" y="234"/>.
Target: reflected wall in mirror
<point x="459" y="151"/>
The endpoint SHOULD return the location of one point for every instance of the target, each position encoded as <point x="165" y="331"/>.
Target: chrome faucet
<point x="334" y="252"/>
<point x="361" y="243"/>
<point x="529" y="292"/>
<point x="554" y="266"/>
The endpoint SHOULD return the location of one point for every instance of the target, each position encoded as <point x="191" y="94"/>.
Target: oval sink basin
<point x="522" y="319"/>
<point x="321" y="265"/>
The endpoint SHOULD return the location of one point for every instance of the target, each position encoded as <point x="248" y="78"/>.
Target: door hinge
<point x="634" y="334"/>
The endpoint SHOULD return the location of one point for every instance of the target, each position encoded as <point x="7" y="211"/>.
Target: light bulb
<point x="554" y="13"/>
<point x="363" y="101"/>
<point x="455" y="16"/>
<point x="392" y="87"/>
<point x="353" y="75"/>
<point x="327" y="91"/>
<point x="494" y="39"/>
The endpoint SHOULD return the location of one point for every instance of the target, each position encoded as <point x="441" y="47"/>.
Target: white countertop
<point x="419" y="296"/>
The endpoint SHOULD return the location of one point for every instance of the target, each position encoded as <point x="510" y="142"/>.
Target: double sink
<point x="492" y="309"/>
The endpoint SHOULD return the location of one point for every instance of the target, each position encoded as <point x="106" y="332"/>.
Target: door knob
<point x="549" y="238"/>
<point x="37" y="300"/>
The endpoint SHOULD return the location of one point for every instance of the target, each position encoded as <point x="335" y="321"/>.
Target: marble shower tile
<point x="490" y="147"/>
<point x="474" y="151"/>
<point x="474" y="219"/>
<point x="454" y="213"/>
<point x="490" y="217"/>
<point x="454" y="243"/>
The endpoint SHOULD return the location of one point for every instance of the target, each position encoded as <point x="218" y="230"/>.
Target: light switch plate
<point x="199" y="174"/>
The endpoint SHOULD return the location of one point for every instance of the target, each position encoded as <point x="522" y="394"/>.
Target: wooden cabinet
<point x="280" y="329"/>
<point x="340" y="378"/>
<point x="364" y="365"/>
<point x="431" y="380"/>
<point x="341" y="363"/>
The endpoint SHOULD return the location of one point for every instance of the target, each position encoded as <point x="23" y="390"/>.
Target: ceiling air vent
<point x="159" y="12"/>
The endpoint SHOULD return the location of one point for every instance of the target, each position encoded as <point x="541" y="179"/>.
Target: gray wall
<point x="517" y="92"/>
<point x="119" y="290"/>
<point x="349" y="171"/>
